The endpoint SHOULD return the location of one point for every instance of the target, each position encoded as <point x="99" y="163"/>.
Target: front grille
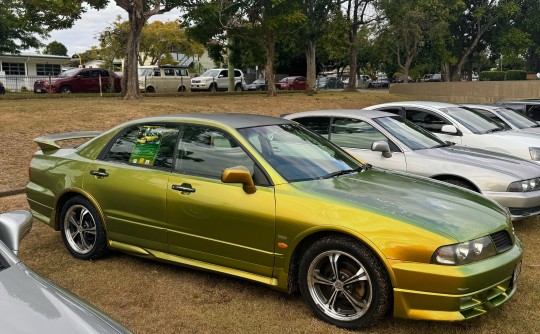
<point x="502" y="241"/>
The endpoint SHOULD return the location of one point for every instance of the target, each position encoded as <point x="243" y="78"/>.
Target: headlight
<point x="525" y="185"/>
<point x="465" y="252"/>
<point x="535" y="153"/>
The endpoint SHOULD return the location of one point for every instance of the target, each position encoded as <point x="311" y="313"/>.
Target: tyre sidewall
<point x="380" y="282"/>
<point x="100" y="248"/>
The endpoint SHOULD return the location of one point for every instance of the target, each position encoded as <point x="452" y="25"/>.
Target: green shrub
<point x="516" y="75"/>
<point x="492" y="76"/>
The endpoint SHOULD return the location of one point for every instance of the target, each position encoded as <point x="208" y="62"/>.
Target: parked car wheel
<point x="238" y="88"/>
<point x="65" y="89"/>
<point x="213" y="88"/>
<point x="150" y="89"/>
<point x="344" y="283"/>
<point x="82" y="229"/>
<point x="181" y="89"/>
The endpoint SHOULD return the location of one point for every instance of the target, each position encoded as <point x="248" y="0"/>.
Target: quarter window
<point x="148" y="145"/>
<point x="206" y="151"/>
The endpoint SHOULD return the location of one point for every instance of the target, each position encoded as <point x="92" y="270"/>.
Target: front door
<point x="433" y="122"/>
<point x="215" y="222"/>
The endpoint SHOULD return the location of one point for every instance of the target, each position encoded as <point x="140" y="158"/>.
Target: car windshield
<point x="287" y="79"/>
<point x="144" y="72"/>
<point x="211" y="73"/>
<point x="259" y="81"/>
<point x="516" y="119"/>
<point x="473" y="120"/>
<point x="68" y="73"/>
<point x="299" y="155"/>
<point x="409" y="133"/>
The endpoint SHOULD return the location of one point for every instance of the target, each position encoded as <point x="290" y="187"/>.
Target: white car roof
<point x="351" y="113"/>
<point x="415" y="103"/>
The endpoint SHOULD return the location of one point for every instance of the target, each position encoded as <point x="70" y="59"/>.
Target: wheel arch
<point x="444" y="177"/>
<point x="150" y="89"/>
<point x="305" y="241"/>
<point x="66" y="196"/>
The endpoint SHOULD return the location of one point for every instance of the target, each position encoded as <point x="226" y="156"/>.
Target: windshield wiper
<point x="494" y="130"/>
<point x="446" y="144"/>
<point x="343" y="172"/>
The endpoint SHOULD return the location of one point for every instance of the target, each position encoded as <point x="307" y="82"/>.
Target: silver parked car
<point x="389" y="141"/>
<point x="510" y="118"/>
<point x="32" y="304"/>
<point x="457" y="124"/>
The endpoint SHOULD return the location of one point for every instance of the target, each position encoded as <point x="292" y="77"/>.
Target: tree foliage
<point x="55" y="48"/>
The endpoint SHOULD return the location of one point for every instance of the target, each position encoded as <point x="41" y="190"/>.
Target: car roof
<point x="523" y="101"/>
<point x="351" y="113"/>
<point x="480" y="105"/>
<point x="236" y="121"/>
<point x="416" y="103"/>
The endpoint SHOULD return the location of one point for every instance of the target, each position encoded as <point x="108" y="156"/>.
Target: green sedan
<point x="264" y="199"/>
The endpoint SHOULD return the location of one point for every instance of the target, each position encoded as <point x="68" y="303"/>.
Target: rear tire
<point x="150" y="89"/>
<point x="82" y="230"/>
<point x="65" y="89"/>
<point x="181" y="89"/>
<point x="344" y="283"/>
<point x="238" y="88"/>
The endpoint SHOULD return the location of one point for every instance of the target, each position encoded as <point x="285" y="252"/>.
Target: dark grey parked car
<point x="32" y="304"/>
<point x="528" y="107"/>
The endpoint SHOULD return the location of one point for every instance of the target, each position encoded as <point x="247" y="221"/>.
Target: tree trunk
<point x="269" y="66"/>
<point x="353" y="52"/>
<point x="130" y="79"/>
<point x="230" y="67"/>
<point x="311" y="71"/>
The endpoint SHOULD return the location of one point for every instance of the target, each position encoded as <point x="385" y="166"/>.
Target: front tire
<point x="65" y="89"/>
<point x="344" y="283"/>
<point x="82" y="229"/>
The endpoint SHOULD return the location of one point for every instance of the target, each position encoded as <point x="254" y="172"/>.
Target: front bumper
<point x="521" y="204"/>
<point x="200" y="85"/>
<point x="453" y="293"/>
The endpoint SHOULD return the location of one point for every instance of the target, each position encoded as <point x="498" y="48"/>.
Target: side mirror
<point x="79" y="77"/>
<point x="382" y="146"/>
<point x="220" y="76"/>
<point x="449" y="129"/>
<point x="14" y="225"/>
<point x="239" y="174"/>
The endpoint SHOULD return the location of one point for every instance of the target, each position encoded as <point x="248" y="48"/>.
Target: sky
<point x="85" y="31"/>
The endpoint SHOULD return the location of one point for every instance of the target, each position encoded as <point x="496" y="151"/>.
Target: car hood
<point x="31" y="304"/>
<point x="494" y="161"/>
<point x="517" y="137"/>
<point x="530" y="130"/>
<point x="436" y="206"/>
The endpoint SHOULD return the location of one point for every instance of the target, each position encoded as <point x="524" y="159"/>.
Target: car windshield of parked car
<point x="473" y="120"/>
<point x="288" y="79"/>
<point x="409" y="133"/>
<point x="516" y="119"/>
<point x="299" y="155"/>
<point x="211" y="73"/>
<point x="68" y="73"/>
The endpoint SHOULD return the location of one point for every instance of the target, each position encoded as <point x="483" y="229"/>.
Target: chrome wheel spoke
<point x="319" y="279"/>
<point x="74" y="222"/>
<point x="359" y="305"/>
<point x="331" y="303"/>
<point x="359" y="276"/>
<point x="90" y="230"/>
<point x="333" y="259"/>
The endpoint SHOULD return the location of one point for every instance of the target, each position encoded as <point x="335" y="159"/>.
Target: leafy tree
<point x="23" y="23"/>
<point x="471" y="26"/>
<point x="409" y="23"/>
<point x="55" y="48"/>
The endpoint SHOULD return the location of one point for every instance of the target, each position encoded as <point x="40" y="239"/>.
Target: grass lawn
<point x="152" y="297"/>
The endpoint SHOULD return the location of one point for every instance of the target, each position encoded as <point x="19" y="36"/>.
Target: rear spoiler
<point x="47" y="143"/>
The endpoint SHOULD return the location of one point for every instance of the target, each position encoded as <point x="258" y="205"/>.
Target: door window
<point x="206" y="151"/>
<point x="354" y="133"/>
<point x="147" y="145"/>
<point x="169" y="72"/>
<point x="427" y="119"/>
<point x="320" y="125"/>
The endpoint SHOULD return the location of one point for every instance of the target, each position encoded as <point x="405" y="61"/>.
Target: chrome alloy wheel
<point x="339" y="285"/>
<point x="80" y="229"/>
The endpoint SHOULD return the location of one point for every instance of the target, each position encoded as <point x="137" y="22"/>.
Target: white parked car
<point x="388" y="141"/>
<point x="511" y="119"/>
<point x="164" y="79"/>
<point x="457" y="124"/>
<point x="218" y="79"/>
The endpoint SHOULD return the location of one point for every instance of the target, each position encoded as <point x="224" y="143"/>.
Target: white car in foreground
<point x="457" y="124"/>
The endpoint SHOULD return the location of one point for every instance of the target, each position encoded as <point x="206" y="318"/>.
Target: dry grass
<point x="152" y="297"/>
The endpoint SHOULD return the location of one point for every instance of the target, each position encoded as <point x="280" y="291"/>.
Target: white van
<point x="164" y="79"/>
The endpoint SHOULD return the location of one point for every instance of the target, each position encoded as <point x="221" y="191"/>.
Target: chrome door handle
<point x="184" y="188"/>
<point x="99" y="173"/>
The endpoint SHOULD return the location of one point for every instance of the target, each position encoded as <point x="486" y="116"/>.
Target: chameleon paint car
<point x="263" y="199"/>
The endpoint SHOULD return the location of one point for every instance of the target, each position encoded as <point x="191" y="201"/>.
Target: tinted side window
<point x="534" y="112"/>
<point x="85" y="74"/>
<point x="354" y="133"/>
<point x="104" y="73"/>
<point x="224" y="74"/>
<point x="157" y="72"/>
<point x="206" y="151"/>
<point x="237" y="73"/>
<point x="320" y="125"/>
<point x="169" y="72"/>
<point x="146" y="144"/>
<point x="426" y="119"/>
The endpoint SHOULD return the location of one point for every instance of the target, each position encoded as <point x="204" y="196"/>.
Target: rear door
<point x="129" y="182"/>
